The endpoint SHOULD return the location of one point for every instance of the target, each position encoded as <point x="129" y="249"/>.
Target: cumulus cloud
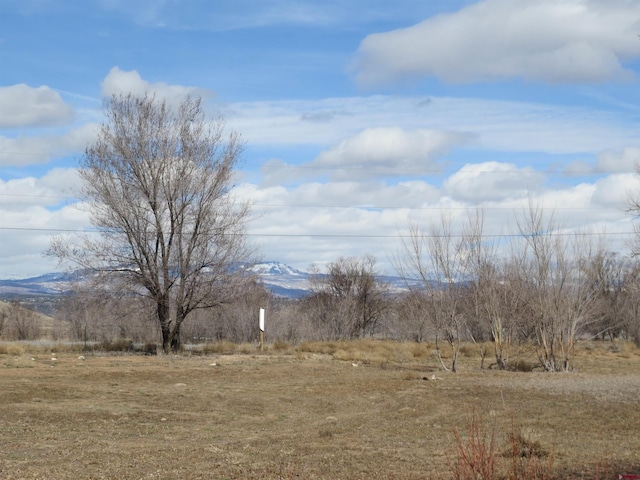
<point x="57" y="186"/>
<point x="493" y="181"/>
<point x="122" y="81"/>
<point x="32" y="209"/>
<point x="614" y="191"/>
<point x="318" y="221"/>
<point x="25" y="106"/>
<point x="619" y="162"/>
<point x="380" y="152"/>
<point x="568" y="41"/>
<point x="27" y="234"/>
<point x="626" y="160"/>
<point x="22" y="151"/>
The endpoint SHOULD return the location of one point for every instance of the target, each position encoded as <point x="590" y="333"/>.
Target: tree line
<point x="168" y="245"/>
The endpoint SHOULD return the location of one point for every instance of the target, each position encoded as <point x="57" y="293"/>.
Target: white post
<point x="261" y="329"/>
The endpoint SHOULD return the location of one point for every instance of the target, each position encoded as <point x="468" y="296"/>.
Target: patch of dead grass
<point x="301" y="416"/>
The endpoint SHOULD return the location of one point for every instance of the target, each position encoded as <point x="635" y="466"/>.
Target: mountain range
<point x="282" y="280"/>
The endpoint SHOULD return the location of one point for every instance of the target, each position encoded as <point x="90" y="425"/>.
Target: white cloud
<point x="619" y="162"/>
<point x="493" y="181"/>
<point x="496" y="125"/>
<point x="25" y="106"/>
<point x="121" y="81"/>
<point x="625" y="160"/>
<point x="317" y="221"/>
<point x="615" y="190"/>
<point x="26" y="234"/>
<point x="387" y="152"/>
<point x="23" y="151"/>
<point x="57" y="186"/>
<point x="544" y="40"/>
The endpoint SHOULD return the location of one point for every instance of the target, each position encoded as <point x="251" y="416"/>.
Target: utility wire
<point x="354" y="235"/>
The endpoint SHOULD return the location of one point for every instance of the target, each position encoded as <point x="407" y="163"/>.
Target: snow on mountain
<point x="275" y="268"/>
<point x="280" y="279"/>
<point x="283" y="280"/>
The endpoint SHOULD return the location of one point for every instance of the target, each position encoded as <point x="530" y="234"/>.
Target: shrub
<point x="121" y="345"/>
<point x="476" y="456"/>
<point x="280" y="345"/>
<point x="150" y="348"/>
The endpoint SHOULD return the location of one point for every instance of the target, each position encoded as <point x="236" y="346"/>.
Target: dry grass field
<point x="356" y="410"/>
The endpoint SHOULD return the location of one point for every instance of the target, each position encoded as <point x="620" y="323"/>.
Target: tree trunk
<point x="176" y="341"/>
<point x="162" y="309"/>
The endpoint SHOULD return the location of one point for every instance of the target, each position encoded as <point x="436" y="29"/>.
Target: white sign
<point x="262" y="319"/>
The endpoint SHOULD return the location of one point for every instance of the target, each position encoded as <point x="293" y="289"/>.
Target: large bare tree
<point x="158" y="184"/>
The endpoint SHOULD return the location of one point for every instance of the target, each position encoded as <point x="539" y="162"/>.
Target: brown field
<point x="305" y="412"/>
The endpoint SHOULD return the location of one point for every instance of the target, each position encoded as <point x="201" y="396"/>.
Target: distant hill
<point x="37" y="324"/>
<point x="48" y="284"/>
<point x="281" y="279"/>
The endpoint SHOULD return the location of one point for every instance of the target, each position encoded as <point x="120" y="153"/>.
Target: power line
<point x="354" y="235"/>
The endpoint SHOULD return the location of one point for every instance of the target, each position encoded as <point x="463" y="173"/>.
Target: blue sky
<point x="360" y="116"/>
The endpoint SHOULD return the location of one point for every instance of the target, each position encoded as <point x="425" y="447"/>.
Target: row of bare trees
<point x="547" y="288"/>
<point x="546" y="285"/>
<point x="169" y="235"/>
<point x="17" y="322"/>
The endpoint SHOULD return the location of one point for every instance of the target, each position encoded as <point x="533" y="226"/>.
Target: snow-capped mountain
<point x="283" y="280"/>
<point x="47" y="284"/>
<point x="280" y="279"/>
<point x="276" y="268"/>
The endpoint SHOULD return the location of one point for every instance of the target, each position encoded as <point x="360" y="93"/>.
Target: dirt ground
<point x="307" y="416"/>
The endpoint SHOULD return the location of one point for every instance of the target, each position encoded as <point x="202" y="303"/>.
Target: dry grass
<point x="48" y="328"/>
<point x="305" y="413"/>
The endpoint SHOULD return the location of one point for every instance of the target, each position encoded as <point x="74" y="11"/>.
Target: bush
<point x="280" y="345"/>
<point x="476" y="456"/>
<point x="121" y="345"/>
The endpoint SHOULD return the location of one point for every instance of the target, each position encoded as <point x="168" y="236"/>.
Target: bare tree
<point x="22" y="323"/>
<point x="412" y="310"/>
<point x="235" y="322"/>
<point x="3" y="317"/>
<point x="491" y="306"/>
<point x="559" y="284"/>
<point x="439" y="259"/>
<point x="614" y="277"/>
<point x="95" y="317"/>
<point x="631" y="304"/>
<point x="350" y="299"/>
<point x="157" y="181"/>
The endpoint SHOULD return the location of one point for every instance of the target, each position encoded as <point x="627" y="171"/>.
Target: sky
<point x="360" y="117"/>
